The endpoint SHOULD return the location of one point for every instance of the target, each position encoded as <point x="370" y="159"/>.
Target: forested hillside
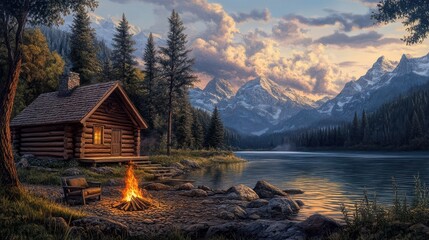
<point x="400" y="124"/>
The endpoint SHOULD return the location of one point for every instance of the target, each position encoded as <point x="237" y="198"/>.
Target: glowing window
<point x="98" y="135"/>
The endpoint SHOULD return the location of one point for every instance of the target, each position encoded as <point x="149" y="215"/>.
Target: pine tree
<point x="83" y="54"/>
<point x="177" y="69"/>
<point x="197" y="132"/>
<point x="215" y="134"/>
<point x="149" y="84"/>
<point x="124" y="65"/>
<point x="107" y="70"/>
<point x="364" y="127"/>
<point x="354" y="132"/>
<point x="183" y="130"/>
<point x="416" y="128"/>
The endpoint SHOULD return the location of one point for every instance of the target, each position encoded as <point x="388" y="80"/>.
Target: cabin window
<point x="98" y="135"/>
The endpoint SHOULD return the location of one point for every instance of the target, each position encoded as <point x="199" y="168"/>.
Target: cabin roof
<point x="50" y="108"/>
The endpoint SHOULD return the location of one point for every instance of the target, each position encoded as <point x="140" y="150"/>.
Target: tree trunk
<point x="9" y="176"/>
<point x="170" y="120"/>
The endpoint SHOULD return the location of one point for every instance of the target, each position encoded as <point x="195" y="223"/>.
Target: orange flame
<point x="131" y="186"/>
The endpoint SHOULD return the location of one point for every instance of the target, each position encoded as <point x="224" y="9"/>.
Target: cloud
<point x="347" y="21"/>
<point x="290" y="32"/>
<point x="363" y="40"/>
<point x="370" y="3"/>
<point x="256" y="15"/>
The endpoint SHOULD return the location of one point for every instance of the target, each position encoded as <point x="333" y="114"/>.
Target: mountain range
<point x="261" y="106"/>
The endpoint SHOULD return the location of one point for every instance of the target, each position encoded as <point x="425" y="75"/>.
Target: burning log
<point x="133" y="198"/>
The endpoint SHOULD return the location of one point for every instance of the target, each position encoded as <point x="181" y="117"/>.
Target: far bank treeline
<point x="160" y="91"/>
<point x="402" y="124"/>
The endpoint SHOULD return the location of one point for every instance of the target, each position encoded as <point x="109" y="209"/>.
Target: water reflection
<point x="328" y="179"/>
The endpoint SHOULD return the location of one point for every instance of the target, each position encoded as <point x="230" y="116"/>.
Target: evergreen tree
<point x="149" y="83"/>
<point x="364" y="127"/>
<point x="416" y="128"/>
<point x="215" y="134"/>
<point x="176" y="68"/>
<point x="183" y="130"/>
<point x="124" y="65"/>
<point x="107" y="70"/>
<point x="83" y="54"/>
<point x="355" y="130"/>
<point x="197" y="132"/>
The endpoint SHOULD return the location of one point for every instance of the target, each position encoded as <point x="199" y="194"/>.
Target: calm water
<point x="328" y="179"/>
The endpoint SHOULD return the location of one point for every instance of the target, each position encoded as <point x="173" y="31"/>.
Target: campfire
<point x="133" y="198"/>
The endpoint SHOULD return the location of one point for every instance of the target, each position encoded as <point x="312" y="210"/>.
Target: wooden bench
<point x="77" y="188"/>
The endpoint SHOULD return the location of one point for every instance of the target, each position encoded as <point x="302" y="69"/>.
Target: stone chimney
<point x="69" y="81"/>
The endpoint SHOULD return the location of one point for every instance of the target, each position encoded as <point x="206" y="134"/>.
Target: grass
<point x="400" y="220"/>
<point x="202" y="157"/>
<point x="27" y="217"/>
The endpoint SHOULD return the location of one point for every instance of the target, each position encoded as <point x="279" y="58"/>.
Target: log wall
<point x="110" y="115"/>
<point x="43" y="141"/>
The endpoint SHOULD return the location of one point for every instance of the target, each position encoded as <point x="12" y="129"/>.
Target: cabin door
<point x="116" y="142"/>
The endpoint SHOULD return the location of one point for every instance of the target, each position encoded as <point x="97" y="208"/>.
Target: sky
<point x="311" y="46"/>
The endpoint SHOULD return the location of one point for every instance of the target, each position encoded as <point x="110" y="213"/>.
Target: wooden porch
<point x="118" y="159"/>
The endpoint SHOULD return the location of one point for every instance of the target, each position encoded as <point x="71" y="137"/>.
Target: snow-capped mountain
<point x="260" y="104"/>
<point x="216" y="90"/>
<point x="384" y="81"/>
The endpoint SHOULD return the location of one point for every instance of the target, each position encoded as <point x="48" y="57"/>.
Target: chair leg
<point x="99" y="197"/>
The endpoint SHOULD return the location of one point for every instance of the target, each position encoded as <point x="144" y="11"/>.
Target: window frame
<point x="101" y="134"/>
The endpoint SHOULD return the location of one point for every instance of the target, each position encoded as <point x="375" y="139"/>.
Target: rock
<point x="257" y="203"/>
<point x="196" y="231"/>
<point x="23" y="163"/>
<point x="254" y="216"/>
<point x="420" y="227"/>
<point x="176" y="172"/>
<point x="96" y="226"/>
<point x="300" y="203"/>
<point x="190" y="163"/>
<point x="195" y="193"/>
<point x="265" y="189"/>
<point x="282" y="207"/>
<point x="319" y="225"/>
<point x="103" y="170"/>
<point x="57" y="224"/>
<point x="186" y="186"/>
<point x="293" y="191"/>
<point x="178" y="166"/>
<point x="72" y="172"/>
<point x="258" y="229"/>
<point x="242" y="192"/>
<point x="45" y="169"/>
<point x="113" y="182"/>
<point x="238" y="212"/>
<point x="76" y="233"/>
<point x="27" y="156"/>
<point x="157" y="187"/>
<point x="226" y="215"/>
<point x="205" y="188"/>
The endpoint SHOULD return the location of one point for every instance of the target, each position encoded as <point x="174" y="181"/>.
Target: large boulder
<point x="282" y="207"/>
<point x="103" y="170"/>
<point x="257" y="203"/>
<point x="97" y="226"/>
<point x="318" y="225"/>
<point x="265" y="189"/>
<point x="190" y="163"/>
<point x="195" y="193"/>
<point x="242" y="192"/>
<point x="72" y="172"/>
<point x="186" y="186"/>
<point x="23" y="163"/>
<point x="157" y="187"/>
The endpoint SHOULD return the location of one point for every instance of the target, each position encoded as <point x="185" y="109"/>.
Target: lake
<point x="328" y="178"/>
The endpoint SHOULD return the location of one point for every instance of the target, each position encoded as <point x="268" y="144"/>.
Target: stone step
<point x="142" y="162"/>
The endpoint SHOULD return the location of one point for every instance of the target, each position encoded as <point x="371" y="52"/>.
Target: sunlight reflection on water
<point x="328" y="178"/>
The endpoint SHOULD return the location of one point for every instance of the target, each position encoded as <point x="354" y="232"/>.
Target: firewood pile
<point x="135" y="204"/>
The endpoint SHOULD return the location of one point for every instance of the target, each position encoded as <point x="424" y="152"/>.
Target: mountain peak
<point x="220" y="88"/>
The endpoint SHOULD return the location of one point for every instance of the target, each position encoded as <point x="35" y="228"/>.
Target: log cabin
<point x="93" y="123"/>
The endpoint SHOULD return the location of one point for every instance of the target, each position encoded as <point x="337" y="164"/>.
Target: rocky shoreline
<point x="264" y="212"/>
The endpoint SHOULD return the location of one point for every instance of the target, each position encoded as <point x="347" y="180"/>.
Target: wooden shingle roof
<point x="50" y="108"/>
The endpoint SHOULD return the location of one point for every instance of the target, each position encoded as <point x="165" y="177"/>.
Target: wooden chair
<point x="77" y="188"/>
